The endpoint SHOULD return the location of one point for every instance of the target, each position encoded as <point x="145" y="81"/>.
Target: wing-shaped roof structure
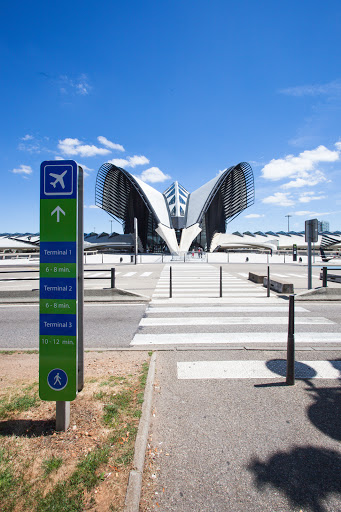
<point x="177" y="219"/>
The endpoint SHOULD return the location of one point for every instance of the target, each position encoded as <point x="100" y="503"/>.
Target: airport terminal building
<point x="176" y="219"/>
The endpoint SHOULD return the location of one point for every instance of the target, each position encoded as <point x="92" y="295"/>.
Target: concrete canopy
<point x="194" y="218"/>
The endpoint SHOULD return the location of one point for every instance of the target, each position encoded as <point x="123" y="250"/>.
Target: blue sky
<point x="174" y="90"/>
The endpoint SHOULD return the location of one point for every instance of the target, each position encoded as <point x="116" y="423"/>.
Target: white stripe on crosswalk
<point x="220" y="300"/>
<point x="146" y="274"/>
<point x="275" y="274"/>
<point x="234" y="338"/>
<point x="249" y="320"/>
<point x="129" y="274"/>
<point x="204" y="294"/>
<point x="243" y="274"/>
<point x="223" y="309"/>
<point x="257" y="369"/>
<point x="214" y="286"/>
<point x="98" y="274"/>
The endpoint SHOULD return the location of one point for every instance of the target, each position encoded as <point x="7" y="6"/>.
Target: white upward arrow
<point x="58" y="211"/>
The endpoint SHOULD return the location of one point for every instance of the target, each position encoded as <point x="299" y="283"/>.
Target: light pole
<point x="288" y="221"/>
<point x="110" y="227"/>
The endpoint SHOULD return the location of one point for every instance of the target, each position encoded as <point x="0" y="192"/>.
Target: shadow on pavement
<point x="302" y="371"/>
<point x="307" y="476"/>
<point x="325" y="412"/>
<point x="27" y="428"/>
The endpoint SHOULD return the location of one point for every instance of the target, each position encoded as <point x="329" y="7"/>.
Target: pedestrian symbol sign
<point x="57" y="379"/>
<point x="61" y="253"/>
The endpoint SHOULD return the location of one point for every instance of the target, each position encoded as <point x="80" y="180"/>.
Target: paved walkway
<point x="226" y="443"/>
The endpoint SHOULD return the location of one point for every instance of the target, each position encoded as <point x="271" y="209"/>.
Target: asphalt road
<point x="105" y="325"/>
<point x="114" y="325"/>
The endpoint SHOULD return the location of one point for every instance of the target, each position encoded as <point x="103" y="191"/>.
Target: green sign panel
<point x="59" y="268"/>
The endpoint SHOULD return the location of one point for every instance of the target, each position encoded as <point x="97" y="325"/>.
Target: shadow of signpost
<point x="27" y="428"/>
<point x="306" y="475"/>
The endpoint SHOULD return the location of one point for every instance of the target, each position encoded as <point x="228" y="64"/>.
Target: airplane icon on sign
<point x="59" y="178"/>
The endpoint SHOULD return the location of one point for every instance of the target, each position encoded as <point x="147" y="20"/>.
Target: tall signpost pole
<point x="311" y="235"/>
<point x="61" y="372"/>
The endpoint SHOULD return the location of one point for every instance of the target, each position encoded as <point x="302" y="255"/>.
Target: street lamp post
<point x="288" y="221"/>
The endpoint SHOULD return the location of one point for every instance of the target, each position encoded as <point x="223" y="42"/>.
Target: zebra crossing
<point x="243" y="317"/>
<point x="107" y="273"/>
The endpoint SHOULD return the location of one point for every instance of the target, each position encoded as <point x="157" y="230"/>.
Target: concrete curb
<point x="320" y="294"/>
<point x="90" y="295"/>
<point x="132" y="501"/>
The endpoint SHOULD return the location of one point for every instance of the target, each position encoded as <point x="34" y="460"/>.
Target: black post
<point x="324" y="276"/>
<point x="112" y="278"/>
<point x="221" y="281"/>
<point x="291" y="343"/>
<point x="268" y="292"/>
<point x="170" y="283"/>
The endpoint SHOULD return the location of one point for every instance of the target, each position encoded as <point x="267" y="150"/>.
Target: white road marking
<point x="233" y="338"/>
<point x="257" y="369"/>
<point x="243" y="320"/>
<point x="220" y="300"/>
<point x="224" y="309"/>
<point x="98" y="274"/>
<point x="204" y="294"/>
<point x="243" y="274"/>
<point x="208" y="286"/>
<point x="129" y="274"/>
<point x="145" y="274"/>
<point x="275" y="274"/>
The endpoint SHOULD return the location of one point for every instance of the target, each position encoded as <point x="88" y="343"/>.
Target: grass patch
<point x="7" y="483"/>
<point x="19" y="401"/>
<point x="95" y="453"/>
<point x="113" y="380"/>
<point x="51" y="464"/>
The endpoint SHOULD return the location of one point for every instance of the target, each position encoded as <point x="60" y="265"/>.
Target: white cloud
<point x="279" y="199"/>
<point x="313" y="179"/>
<point x="253" y="216"/>
<point x="330" y="89"/>
<point x="306" y="197"/>
<point x="153" y="175"/>
<point x="305" y="213"/>
<point x="71" y="147"/>
<point x="23" y="169"/>
<point x="79" y="86"/>
<point x="27" y="137"/>
<point x="131" y="161"/>
<point x="109" y="144"/>
<point x="301" y="166"/>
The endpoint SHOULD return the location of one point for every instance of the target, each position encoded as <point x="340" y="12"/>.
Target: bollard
<point x="268" y="287"/>
<point x="324" y="276"/>
<point x="112" y="278"/>
<point x="170" y="283"/>
<point x="291" y="343"/>
<point x="221" y="281"/>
